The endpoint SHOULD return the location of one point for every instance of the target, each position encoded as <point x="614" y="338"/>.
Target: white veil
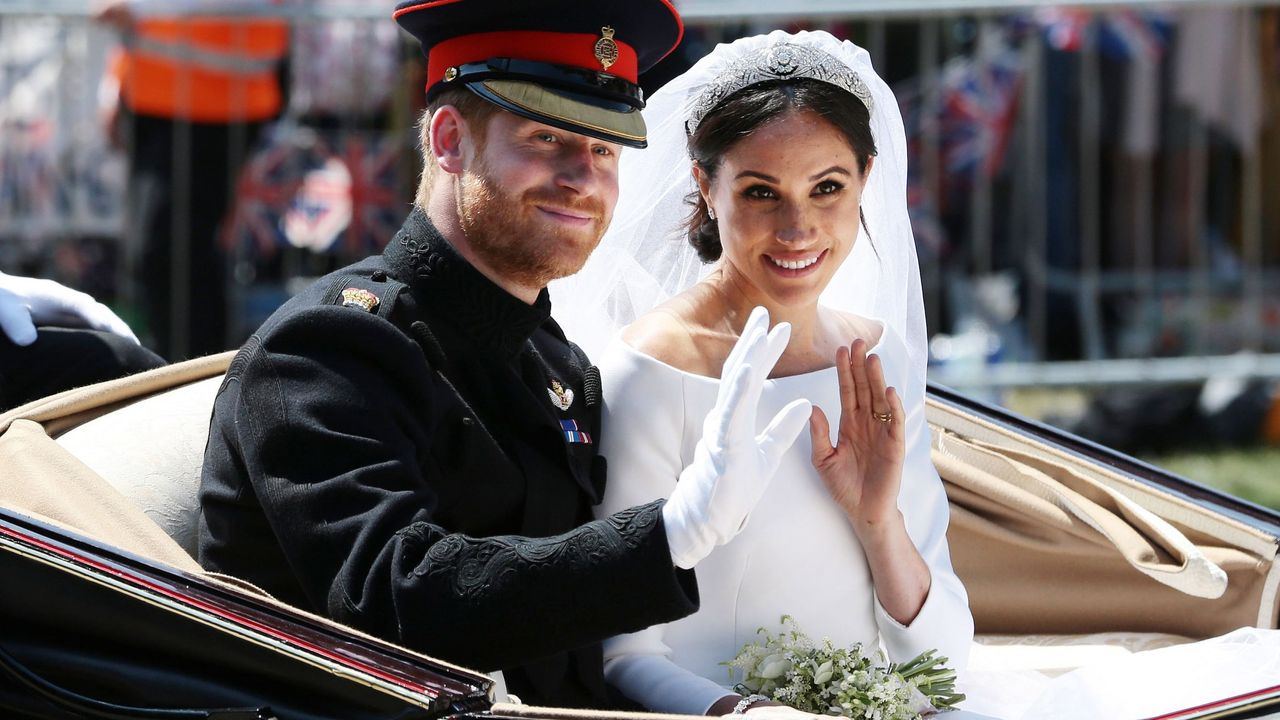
<point x="644" y="257"/>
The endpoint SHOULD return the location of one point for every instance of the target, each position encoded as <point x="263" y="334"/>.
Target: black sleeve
<point x="333" y="419"/>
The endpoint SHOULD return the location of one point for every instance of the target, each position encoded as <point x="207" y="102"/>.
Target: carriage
<point x="1073" y="555"/>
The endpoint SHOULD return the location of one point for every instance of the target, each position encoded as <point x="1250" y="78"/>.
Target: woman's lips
<point x="795" y="264"/>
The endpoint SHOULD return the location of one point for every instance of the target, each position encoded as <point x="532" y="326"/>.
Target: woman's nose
<point x="795" y="222"/>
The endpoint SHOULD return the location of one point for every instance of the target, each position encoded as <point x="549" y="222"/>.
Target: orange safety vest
<point x="204" y="69"/>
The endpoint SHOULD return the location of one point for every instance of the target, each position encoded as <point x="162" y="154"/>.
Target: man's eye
<point x="602" y="150"/>
<point x="828" y="187"/>
<point x="546" y="137"/>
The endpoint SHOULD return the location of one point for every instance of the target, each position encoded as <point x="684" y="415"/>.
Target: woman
<point x="783" y="133"/>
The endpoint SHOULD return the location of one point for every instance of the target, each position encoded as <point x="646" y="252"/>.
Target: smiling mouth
<point x="566" y="215"/>
<point x="796" y="264"/>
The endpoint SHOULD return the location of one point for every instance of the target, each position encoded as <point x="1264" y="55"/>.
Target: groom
<point x="410" y="445"/>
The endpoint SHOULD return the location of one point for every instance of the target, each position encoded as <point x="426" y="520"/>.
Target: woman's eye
<point x="828" y="187"/>
<point x="759" y="192"/>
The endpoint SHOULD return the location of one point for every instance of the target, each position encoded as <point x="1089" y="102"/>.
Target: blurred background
<point x="1095" y="188"/>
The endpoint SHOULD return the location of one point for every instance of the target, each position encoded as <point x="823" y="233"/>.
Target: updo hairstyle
<point x="743" y="112"/>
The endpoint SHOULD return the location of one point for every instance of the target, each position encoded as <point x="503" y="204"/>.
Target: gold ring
<point x="882" y="417"/>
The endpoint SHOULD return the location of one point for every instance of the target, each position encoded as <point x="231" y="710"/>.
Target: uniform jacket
<point x="412" y="451"/>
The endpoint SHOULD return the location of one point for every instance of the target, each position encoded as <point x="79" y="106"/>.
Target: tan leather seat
<point x="151" y="451"/>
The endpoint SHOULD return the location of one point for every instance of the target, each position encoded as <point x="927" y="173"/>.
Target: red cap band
<point x="574" y="49"/>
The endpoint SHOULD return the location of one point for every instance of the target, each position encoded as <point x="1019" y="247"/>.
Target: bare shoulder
<point x="663" y="335"/>
<point x="672" y="335"/>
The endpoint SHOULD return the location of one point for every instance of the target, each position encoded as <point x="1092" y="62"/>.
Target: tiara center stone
<point x="782" y="61"/>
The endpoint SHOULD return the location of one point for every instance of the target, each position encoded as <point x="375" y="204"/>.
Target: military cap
<point x="572" y="64"/>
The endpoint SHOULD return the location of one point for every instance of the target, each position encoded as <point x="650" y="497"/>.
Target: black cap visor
<point x="590" y="103"/>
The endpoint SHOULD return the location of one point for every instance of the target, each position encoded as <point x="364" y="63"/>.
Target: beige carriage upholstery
<point x="1047" y="543"/>
<point x="130" y="467"/>
<point x="1063" y="562"/>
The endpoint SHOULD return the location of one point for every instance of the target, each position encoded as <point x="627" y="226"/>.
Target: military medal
<point x="606" y="48"/>
<point x="574" y="434"/>
<point x="359" y="298"/>
<point x="561" y="396"/>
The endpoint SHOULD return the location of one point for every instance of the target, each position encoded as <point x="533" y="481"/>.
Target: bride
<point x="798" y="185"/>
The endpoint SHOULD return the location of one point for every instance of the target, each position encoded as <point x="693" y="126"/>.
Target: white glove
<point x="732" y="465"/>
<point x="26" y="302"/>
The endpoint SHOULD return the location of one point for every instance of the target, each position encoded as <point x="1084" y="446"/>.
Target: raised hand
<point x="732" y="463"/>
<point x="863" y="470"/>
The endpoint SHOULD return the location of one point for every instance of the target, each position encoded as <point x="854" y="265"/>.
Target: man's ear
<point x="448" y="137"/>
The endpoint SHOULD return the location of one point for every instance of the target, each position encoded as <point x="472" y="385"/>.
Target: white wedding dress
<point x="796" y="556"/>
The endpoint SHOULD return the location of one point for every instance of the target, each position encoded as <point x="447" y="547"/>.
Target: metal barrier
<point x="1061" y="240"/>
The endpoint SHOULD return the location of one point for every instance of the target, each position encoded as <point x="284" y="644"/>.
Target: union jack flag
<point x="310" y="191"/>
<point x="1134" y="35"/>
<point x="980" y="102"/>
<point x="263" y="191"/>
<point x="1064" y="28"/>
<point x="378" y="204"/>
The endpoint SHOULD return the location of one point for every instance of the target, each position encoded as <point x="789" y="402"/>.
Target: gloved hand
<point x="732" y="465"/>
<point x="26" y="302"/>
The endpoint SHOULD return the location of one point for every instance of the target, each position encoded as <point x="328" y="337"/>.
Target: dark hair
<point x="745" y="111"/>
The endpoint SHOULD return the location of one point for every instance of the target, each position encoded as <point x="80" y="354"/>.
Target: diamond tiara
<point x="785" y="61"/>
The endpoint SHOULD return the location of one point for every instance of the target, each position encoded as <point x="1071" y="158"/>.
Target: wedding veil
<point x="644" y="257"/>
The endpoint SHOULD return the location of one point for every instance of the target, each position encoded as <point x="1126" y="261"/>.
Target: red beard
<point x="510" y="237"/>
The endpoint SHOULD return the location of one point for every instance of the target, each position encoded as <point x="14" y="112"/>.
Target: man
<point x="193" y="90"/>
<point x="409" y="446"/>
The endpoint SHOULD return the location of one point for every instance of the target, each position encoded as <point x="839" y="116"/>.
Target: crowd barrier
<point x="1093" y="189"/>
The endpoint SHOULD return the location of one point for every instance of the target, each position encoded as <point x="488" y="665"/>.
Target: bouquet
<point x="827" y="680"/>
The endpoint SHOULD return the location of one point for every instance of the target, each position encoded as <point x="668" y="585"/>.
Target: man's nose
<point x="577" y="170"/>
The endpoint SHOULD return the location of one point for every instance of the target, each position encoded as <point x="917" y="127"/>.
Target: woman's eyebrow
<point x="772" y="179"/>
<point x="828" y="171"/>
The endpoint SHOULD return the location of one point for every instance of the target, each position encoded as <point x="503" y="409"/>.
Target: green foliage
<point x="826" y="680"/>
<point x="1249" y="473"/>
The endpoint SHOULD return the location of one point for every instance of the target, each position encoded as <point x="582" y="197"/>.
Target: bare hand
<point x="863" y="471"/>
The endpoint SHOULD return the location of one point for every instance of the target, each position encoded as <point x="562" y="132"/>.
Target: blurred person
<point x="187" y="96"/>
<point x="53" y="338"/>
<point x="1224" y="411"/>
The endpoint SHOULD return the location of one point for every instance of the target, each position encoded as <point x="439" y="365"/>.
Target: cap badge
<point x="606" y="48"/>
<point x="451" y="74"/>
<point x="359" y="298"/>
<point x="561" y="396"/>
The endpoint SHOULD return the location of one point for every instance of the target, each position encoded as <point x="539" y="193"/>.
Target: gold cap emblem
<point x="359" y="298"/>
<point x="561" y="396"/>
<point x="450" y="74"/>
<point x="606" y="48"/>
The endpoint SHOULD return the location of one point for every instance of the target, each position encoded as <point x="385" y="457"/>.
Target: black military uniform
<point x="409" y="449"/>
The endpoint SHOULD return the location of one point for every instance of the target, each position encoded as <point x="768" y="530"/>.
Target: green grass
<point x="1250" y="473"/>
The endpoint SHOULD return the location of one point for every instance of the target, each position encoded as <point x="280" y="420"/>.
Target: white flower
<point x="823" y="673"/>
<point x="774" y="666"/>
